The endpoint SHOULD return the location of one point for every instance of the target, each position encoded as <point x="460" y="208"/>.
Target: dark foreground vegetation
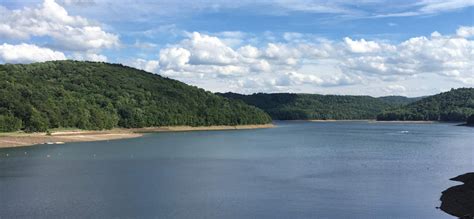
<point x="286" y="106"/>
<point x="470" y="120"/>
<point x="455" y="105"/>
<point x="459" y="200"/>
<point x="88" y="95"/>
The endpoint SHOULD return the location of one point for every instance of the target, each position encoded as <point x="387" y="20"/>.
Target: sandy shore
<point x="19" y="139"/>
<point x="459" y="200"/>
<point x="199" y="128"/>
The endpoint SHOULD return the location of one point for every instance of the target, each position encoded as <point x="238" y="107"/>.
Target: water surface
<point x="296" y="170"/>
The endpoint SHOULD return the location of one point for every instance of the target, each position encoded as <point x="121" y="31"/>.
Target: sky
<point x="365" y="47"/>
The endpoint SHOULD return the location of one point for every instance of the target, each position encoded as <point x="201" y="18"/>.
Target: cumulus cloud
<point x="276" y="65"/>
<point x="465" y="32"/>
<point x="174" y="58"/>
<point x="27" y="53"/>
<point x="209" y="50"/>
<point x="361" y="46"/>
<point x="449" y="56"/>
<point x="52" y="20"/>
<point x="320" y="63"/>
<point x="147" y="65"/>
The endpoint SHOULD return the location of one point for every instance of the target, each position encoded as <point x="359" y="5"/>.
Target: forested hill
<point x="454" y="105"/>
<point x="287" y="106"/>
<point x="89" y="95"/>
<point x="400" y="100"/>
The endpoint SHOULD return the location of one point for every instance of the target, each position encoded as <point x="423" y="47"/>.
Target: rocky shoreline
<point x="459" y="200"/>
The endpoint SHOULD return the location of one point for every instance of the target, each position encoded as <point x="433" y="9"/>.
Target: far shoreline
<point x="376" y="121"/>
<point x="21" y="139"/>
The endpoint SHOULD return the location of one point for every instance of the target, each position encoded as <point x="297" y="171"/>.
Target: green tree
<point x="36" y="122"/>
<point x="9" y="123"/>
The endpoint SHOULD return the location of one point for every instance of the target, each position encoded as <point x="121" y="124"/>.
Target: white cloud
<point x="52" y="20"/>
<point x="209" y="50"/>
<point x="361" y="46"/>
<point x="449" y="56"/>
<point x="144" y="45"/>
<point x="465" y="31"/>
<point x="89" y="57"/>
<point x="276" y="65"/>
<point x="174" y="58"/>
<point x="317" y="63"/>
<point x="147" y="65"/>
<point x="282" y="53"/>
<point x="27" y="53"/>
<point x="396" y="88"/>
<point x="427" y="7"/>
<point x="249" y="51"/>
<point x="433" y="6"/>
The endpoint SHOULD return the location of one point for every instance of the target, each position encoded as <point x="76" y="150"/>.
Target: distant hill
<point x="454" y="105"/>
<point x="401" y="100"/>
<point x="287" y="106"/>
<point x="90" y="95"/>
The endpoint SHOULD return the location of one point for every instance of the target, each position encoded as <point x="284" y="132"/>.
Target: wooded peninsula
<point x="96" y="96"/>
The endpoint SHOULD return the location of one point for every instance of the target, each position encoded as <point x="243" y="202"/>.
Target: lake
<point x="295" y="170"/>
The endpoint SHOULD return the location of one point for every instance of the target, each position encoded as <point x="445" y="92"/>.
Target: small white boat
<point x="56" y="142"/>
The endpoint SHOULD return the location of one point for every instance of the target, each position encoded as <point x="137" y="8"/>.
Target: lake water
<point x="296" y="170"/>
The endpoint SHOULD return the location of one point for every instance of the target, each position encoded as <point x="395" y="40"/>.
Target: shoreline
<point x="341" y="120"/>
<point x="20" y="139"/>
<point x="408" y="121"/>
<point x="374" y="121"/>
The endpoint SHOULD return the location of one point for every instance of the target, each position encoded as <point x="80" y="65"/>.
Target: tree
<point x="36" y="122"/>
<point x="9" y="123"/>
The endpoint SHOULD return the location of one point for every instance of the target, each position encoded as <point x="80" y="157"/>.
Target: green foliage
<point x="286" y="106"/>
<point x="400" y="100"/>
<point x="455" y="105"/>
<point x="35" y="122"/>
<point x="90" y="95"/>
<point x="9" y="123"/>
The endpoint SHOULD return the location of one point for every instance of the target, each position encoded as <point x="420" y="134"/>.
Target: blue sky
<point x="374" y="47"/>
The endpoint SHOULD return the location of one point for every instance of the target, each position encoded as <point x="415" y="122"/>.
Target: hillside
<point x="454" y="105"/>
<point x="89" y="95"/>
<point x="400" y="100"/>
<point x="286" y="106"/>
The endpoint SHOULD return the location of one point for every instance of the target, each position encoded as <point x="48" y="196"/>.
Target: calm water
<point x="297" y="170"/>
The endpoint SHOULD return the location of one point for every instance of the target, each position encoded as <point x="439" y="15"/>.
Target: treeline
<point x="287" y="106"/>
<point x="89" y="95"/>
<point x="454" y="105"/>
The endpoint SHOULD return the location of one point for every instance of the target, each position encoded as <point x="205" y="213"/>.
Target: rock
<point x="459" y="200"/>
